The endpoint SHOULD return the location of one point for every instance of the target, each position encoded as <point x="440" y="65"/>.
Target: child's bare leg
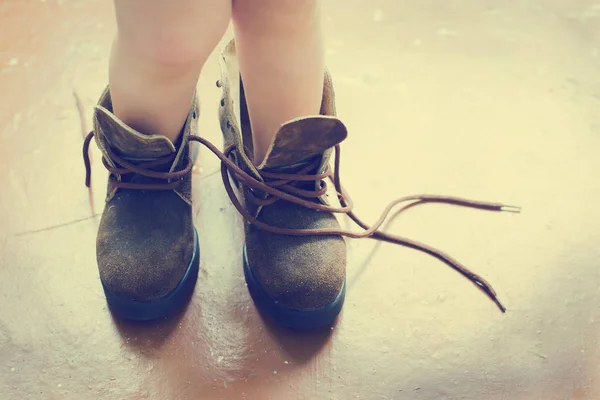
<point x="279" y="43"/>
<point x="157" y="57"/>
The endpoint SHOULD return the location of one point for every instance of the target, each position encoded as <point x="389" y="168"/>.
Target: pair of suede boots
<point x="294" y="257"/>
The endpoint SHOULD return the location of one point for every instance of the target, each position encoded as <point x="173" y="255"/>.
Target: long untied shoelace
<point x="283" y="186"/>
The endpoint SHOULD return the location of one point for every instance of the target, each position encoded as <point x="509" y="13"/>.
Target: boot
<point x="295" y="255"/>
<point x="147" y="246"/>
<point x="298" y="280"/>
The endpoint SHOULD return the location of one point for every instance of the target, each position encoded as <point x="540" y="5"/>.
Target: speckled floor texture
<point x="488" y="100"/>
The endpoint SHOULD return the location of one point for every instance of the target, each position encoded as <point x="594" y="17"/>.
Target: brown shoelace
<point x="282" y="186"/>
<point x="143" y="169"/>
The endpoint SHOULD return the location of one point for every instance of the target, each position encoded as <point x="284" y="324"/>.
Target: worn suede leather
<point x="146" y="239"/>
<point x="301" y="273"/>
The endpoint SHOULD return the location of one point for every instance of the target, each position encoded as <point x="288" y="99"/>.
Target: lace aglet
<point x="512" y="209"/>
<point x="499" y="304"/>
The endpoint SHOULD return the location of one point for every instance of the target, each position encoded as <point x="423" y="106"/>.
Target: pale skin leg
<point x="281" y="55"/>
<point x="157" y="56"/>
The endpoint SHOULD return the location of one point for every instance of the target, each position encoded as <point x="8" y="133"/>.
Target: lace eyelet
<point x="222" y="102"/>
<point x="219" y="83"/>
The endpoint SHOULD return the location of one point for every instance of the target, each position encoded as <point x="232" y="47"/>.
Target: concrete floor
<point x="490" y="100"/>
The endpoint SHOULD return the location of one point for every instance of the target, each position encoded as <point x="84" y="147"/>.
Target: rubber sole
<point x="288" y="317"/>
<point x="163" y="306"/>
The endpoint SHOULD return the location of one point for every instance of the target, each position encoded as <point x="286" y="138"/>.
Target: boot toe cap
<point x="301" y="273"/>
<point x="143" y="265"/>
<point x="142" y="274"/>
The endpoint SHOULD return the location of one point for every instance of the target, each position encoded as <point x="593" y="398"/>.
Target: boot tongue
<point x="127" y="142"/>
<point x="299" y="140"/>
